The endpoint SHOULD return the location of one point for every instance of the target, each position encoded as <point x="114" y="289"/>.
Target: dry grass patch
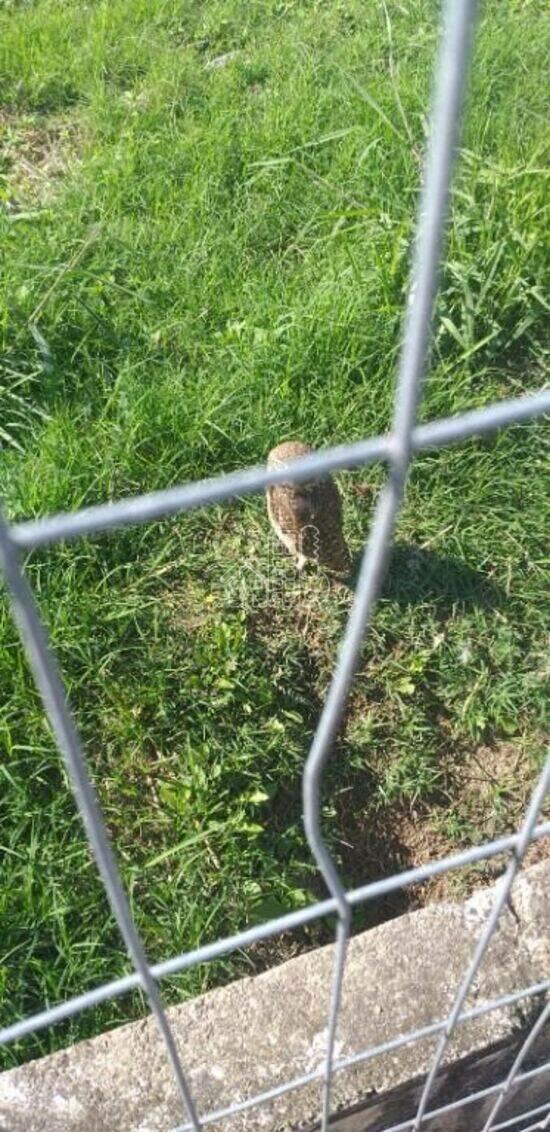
<point x="37" y="154"/>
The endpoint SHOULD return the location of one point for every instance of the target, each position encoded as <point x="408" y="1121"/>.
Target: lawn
<point x="206" y="222"/>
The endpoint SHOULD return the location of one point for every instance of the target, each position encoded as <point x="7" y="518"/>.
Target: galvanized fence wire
<point x="49" y="683"/>
<point x="431" y="220"/>
<point x="397" y="449"/>
<point x="472" y="1098"/>
<point x="520" y="1058"/>
<point x="503" y="894"/>
<point x="223" y="947"/>
<point x="539" y="1111"/>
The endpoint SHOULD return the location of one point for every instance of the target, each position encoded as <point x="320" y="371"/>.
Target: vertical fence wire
<point x="518" y="1062"/>
<point x="449" y="90"/>
<point x="399" y="448"/>
<point x="503" y="893"/>
<point x="44" y="668"/>
<point x="464" y="1102"/>
<point x="539" y="1111"/>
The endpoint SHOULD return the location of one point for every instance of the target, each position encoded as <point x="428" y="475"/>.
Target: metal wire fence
<point x="397" y="450"/>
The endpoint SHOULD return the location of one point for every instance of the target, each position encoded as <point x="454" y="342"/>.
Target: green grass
<point x="199" y="262"/>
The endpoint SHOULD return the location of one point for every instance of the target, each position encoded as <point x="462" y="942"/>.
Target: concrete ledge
<point x="262" y="1031"/>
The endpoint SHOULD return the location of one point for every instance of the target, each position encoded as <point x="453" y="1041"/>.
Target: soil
<point x="38" y="154"/>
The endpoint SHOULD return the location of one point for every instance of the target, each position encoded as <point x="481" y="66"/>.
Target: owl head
<point x="284" y="454"/>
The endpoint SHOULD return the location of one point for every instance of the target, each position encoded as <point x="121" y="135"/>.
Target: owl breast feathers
<point x="307" y="517"/>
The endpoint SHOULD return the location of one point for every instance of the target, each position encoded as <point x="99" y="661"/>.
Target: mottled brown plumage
<point x="307" y="517"/>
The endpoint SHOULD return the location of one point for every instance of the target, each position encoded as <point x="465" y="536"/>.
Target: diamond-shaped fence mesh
<point x="397" y="450"/>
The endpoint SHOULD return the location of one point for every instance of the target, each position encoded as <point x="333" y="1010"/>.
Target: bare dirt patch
<point x="37" y="154"/>
<point x="488" y="792"/>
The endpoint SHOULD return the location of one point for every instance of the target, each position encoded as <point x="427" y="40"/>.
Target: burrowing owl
<point x="307" y="517"/>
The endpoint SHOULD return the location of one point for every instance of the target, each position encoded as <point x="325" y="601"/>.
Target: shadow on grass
<point x="417" y="575"/>
<point x="364" y="843"/>
<point x="368" y="846"/>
